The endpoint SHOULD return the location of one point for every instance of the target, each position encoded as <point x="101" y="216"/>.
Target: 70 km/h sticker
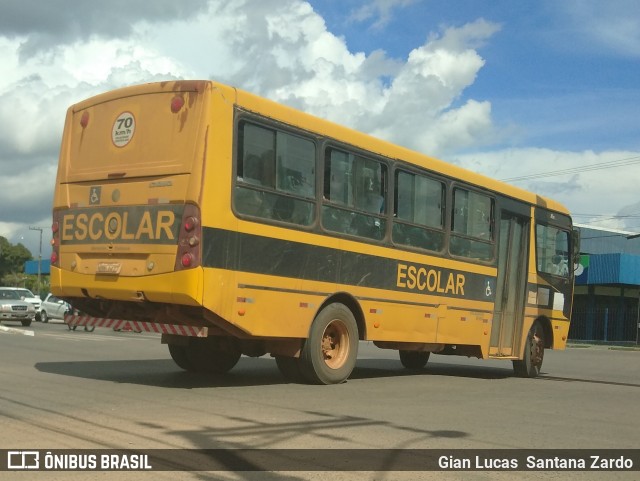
<point x="123" y="129"/>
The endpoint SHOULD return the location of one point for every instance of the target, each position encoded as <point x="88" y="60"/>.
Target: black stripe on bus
<point x="230" y="250"/>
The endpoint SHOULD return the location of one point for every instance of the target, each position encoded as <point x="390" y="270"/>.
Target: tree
<point x="12" y="257"/>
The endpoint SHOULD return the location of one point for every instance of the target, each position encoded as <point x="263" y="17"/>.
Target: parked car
<point x="53" y="308"/>
<point x="12" y="308"/>
<point x="26" y="295"/>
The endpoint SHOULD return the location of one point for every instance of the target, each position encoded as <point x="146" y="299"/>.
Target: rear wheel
<point x="329" y="354"/>
<point x="180" y="357"/>
<point x="216" y="355"/>
<point x="531" y="364"/>
<point x="414" y="359"/>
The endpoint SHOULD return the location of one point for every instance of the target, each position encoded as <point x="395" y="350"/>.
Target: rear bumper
<point x="183" y="287"/>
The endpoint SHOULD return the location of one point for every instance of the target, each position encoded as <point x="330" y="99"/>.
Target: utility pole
<point x="39" y="257"/>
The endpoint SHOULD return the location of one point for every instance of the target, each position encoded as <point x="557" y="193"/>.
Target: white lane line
<point x="13" y="330"/>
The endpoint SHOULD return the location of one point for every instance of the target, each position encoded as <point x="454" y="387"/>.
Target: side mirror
<point x="575" y="245"/>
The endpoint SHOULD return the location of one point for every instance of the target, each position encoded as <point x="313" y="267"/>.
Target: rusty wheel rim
<point x="537" y="349"/>
<point x="335" y="344"/>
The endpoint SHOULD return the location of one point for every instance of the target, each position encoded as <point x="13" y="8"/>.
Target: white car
<point x="53" y="308"/>
<point x="12" y="308"/>
<point x="26" y="295"/>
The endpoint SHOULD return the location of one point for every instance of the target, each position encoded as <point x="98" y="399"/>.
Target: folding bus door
<point x="513" y="251"/>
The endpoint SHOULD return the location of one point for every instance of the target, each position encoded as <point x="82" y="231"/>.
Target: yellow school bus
<point x="234" y="225"/>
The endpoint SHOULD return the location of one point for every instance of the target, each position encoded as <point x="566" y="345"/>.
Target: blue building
<point x="606" y="306"/>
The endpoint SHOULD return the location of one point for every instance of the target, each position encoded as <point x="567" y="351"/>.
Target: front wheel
<point x="531" y="363"/>
<point x="329" y="354"/>
<point x="44" y="317"/>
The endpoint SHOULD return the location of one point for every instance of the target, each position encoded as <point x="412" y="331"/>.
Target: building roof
<point x="594" y="240"/>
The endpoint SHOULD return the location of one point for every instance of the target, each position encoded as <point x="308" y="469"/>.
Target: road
<point x="62" y="389"/>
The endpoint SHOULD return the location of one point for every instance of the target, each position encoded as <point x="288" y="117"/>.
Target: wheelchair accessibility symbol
<point x="94" y="195"/>
<point x="488" y="291"/>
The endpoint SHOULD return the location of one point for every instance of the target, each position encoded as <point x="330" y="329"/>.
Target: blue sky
<point x="505" y="88"/>
<point x="557" y="69"/>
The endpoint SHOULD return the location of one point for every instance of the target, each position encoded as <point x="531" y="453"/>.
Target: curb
<point x="603" y="346"/>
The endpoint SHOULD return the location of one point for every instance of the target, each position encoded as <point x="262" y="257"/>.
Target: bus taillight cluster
<point x="55" y="241"/>
<point x="188" y="255"/>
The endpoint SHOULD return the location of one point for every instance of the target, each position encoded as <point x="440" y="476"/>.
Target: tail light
<point x="188" y="255"/>
<point x="55" y="240"/>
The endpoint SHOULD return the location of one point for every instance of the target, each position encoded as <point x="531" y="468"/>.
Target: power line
<point x="575" y="170"/>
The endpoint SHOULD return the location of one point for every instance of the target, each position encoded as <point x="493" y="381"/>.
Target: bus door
<point x="513" y="252"/>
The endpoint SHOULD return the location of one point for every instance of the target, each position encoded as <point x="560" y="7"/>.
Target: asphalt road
<point x="62" y="389"/>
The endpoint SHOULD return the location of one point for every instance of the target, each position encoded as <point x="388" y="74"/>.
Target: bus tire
<point x="180" y="357"/>
<point x="216" y="355"/>
<point x="329" y="354"/>
<point x="531" y="363"/>
<point x="289" y="367"/>
<point x="414" y="360"/>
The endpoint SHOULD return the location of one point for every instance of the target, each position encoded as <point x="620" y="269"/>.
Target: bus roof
<point x="311" y="123"/>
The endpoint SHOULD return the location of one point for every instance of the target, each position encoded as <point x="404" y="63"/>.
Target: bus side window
<point x="419" y="211"/>
<point x="276" y="175"/>
<point x="472" y="225"/>
<point x="354" y="195"/>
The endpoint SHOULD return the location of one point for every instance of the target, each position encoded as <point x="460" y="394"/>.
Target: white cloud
<point x="421" y="97"/>
<point x="280" y="49"/>
<point x="380" y="11"/>
<point x="587" y="191"/>
<point x="612" y="26"/>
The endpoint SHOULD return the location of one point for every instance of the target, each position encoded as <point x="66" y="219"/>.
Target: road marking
<point x="13" y="330"/>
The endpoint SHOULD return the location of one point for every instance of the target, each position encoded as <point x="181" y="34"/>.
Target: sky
<point x="543" y="94"/>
